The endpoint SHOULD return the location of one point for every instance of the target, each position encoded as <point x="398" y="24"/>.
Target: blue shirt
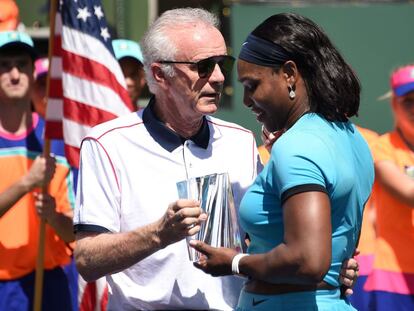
<point x="313" y="155"/>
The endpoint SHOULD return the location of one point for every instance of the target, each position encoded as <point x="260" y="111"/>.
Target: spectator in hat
<point x="392" y="278"/>
<point x="24" y="171"/>
<point x="129" y="55"/>
<point x="39" y="98"/>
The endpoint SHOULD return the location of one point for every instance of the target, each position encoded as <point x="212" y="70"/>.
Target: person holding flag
<point x="24" y="172"/>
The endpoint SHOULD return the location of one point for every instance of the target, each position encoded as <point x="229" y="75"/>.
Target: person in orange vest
<point x="392" y="277"/>
<point x="366" y="246"/>
<point x="24" y="171"/>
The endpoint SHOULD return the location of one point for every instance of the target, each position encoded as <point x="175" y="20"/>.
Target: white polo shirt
<point x="128" y="173"/>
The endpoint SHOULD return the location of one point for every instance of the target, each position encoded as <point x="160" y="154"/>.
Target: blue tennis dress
<point x="313" y="155"/>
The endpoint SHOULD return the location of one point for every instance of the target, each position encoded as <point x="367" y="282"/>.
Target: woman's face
<point x="266" y="94"/>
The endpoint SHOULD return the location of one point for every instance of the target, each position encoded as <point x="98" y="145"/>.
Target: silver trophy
<point x="221" y="228"/>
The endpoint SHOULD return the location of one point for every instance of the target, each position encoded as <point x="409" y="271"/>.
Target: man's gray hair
<point x="157" y="45"/>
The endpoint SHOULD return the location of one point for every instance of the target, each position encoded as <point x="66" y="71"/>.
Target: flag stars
<point x="83" y="14"/>
<point x="98" y="11"/>
<point x="105" y="34"/>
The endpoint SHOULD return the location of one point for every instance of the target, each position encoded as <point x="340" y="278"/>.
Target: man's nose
<point x="217" y="75"/>
<point x="14" y="72"/>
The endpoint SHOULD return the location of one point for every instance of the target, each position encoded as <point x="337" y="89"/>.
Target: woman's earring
<point x="292" y="93"/>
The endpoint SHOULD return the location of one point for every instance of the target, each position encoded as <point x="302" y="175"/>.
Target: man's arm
<point x="395" y="181"/>
<point x="40" y="173"/>
<point x="100" y="254"/>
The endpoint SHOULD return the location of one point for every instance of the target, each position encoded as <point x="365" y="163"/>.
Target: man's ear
<point x="157" y="73"/>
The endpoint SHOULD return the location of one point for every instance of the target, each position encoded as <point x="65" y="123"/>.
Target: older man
<point x="127" y="228"/>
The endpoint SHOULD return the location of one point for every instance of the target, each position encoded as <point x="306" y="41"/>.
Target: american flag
<point x="87" y="86"/>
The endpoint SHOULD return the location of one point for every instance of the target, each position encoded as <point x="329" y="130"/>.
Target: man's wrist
<point x="25" y="184"/>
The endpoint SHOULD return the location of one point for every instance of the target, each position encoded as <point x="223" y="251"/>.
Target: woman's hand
<point x="269" y="138"/>
<point x="214" y="261"/>
<point x="349" y="275"/>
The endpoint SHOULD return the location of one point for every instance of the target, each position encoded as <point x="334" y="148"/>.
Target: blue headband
<point x="261" y="52"/>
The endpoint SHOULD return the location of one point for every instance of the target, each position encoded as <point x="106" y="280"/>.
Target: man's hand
<point x="45" y="206"/>
<point x="41" y="172"/>
<point x="182" y="218"/>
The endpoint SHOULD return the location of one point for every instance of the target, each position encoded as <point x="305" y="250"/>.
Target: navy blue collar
<point x="167" y="138"/>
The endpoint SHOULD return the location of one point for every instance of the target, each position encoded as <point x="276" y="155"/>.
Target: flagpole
<point x="37" y="306"/>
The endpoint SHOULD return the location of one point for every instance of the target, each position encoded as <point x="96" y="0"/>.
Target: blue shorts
<point x="322" y="300"/>
<point x="17" y="295"/>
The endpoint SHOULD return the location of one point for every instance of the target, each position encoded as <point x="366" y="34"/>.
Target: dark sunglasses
<point x="205" y="67"/>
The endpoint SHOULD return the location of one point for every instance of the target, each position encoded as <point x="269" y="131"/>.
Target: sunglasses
<point x="205" y="67"/>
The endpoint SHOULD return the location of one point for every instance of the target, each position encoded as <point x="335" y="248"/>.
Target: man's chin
<point x="208" y="108"/>
<point x="17" y="95"/>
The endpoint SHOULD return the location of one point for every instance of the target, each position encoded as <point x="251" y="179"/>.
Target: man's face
<point x="134" y="77"/>
<point x="16" y="76"/>
<point x="191" y="96"/>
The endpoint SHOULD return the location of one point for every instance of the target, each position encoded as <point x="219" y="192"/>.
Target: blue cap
<point x="127" y="48"/>
<point x="17" y="39"/>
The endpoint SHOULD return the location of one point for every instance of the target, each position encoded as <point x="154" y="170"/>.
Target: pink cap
<point x="402" y="80"/>
<point x="41" y="66"/>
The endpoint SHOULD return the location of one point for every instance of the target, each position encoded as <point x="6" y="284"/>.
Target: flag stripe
<point x="55" y="109"/>
<point x="55" y="88"/>
<point x="88" y="301"/>
<point x="92" y="93"/>
<point x="85" y="114"/>
<point x="58" y="27"/>
<point x="57" y="47"/>
<point x="54" y="130"/>
<point x="88" y="69"/>
<point x="56" y="68"/>
<point x="74" y="132"/>
<point x="72" y="153"/>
